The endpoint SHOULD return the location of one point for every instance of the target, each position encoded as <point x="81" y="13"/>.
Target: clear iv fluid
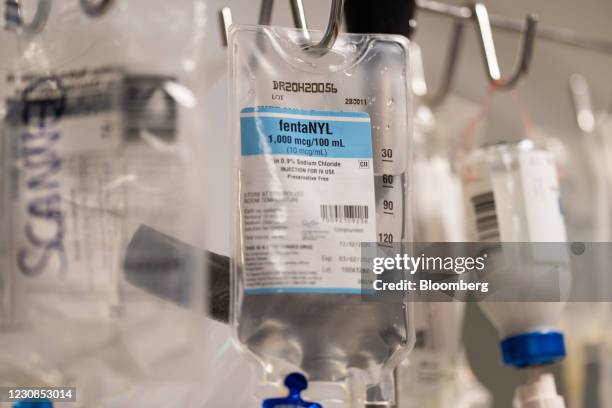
<point x="379" y="326"/>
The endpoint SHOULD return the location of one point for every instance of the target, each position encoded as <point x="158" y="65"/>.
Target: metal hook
<point x="581" y="97"/>
<point x="480" y="14"/>
<point x="95" y="8"/>
<point x="450" y="66"/>
<point x="265" y="12"/>
<point x="225" y="14"/>
<point x="331" y="32"/>
<point x="418" y="82"/>
<point x="297" y="10"/>
<point x="265" y="17"/>
<point x="299" y="19"/>
<point x="226" y="21"/>
<point x="14" y="16"/>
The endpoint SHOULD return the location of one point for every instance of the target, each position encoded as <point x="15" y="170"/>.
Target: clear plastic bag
<point x="436" y="373"/>
<point x="323" y="150"/>
<point x="512" y="195"/>
<point x="101" y="137"/>
<point x="139" y="110"/>
<point x="512" y="199"/>
<point x="585" y="187"/>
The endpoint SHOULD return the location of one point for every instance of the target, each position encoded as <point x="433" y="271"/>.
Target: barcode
<point x="342" y="213"/>
<point x="487" y="226"/>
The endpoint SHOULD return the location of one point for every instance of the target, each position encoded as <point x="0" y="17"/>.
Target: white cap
<point x="539" y="393"/>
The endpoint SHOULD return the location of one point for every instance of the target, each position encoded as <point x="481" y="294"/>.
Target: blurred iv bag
<point x="512" y="193"/>
<point x="437" y="374"/>
<point x="586" y="203"/>
<point x="98" y="138"/>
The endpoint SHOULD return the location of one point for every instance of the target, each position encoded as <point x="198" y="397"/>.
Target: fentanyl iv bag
<point x="323" y="146"/>
<point x="513" y="202"/>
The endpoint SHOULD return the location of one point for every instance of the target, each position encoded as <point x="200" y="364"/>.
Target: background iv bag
<point x="513" y="197"/>
<point x="112" y="151"/>
<point x="437" y="373"/>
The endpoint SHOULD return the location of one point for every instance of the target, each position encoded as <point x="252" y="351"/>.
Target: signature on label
<point x="310" y="223"/>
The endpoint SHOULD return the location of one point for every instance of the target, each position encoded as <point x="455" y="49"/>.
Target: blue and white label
<point x="306" y="133"/>
<point x="307" y="192"/>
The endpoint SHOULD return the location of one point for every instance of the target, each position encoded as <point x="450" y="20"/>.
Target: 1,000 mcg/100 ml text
<point x="302" y="141"/>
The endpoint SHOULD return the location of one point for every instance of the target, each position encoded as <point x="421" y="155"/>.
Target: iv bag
<point x="101" y="137"/>
<point x="323" y="158"/>
<point x="437" y="373"/>
<point x="585" y="187"/>
<point x="512" y="196"/>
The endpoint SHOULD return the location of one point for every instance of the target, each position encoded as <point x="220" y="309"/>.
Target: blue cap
<point x="33" y="404"/>
<point x="534" y="348"/>
<point x="296" y="383"/>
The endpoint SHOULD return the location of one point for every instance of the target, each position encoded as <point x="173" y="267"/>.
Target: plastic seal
<point x="539" y="393"/>
<point x="534" y="348"/>
<point x="295" y="383"/>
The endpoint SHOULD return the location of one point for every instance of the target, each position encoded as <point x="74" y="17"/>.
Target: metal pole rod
<point x="448" y="10"/>
<point x="553" y="34"/>
<point x="488" y="48"/>
<point x="331" y="32"/>
<point x="265" y="12"/>
<point x="299" y="17"/>
<point x="581" y="97"/>
<point x="436" y="98"/>
<point x="226" y="22"/>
